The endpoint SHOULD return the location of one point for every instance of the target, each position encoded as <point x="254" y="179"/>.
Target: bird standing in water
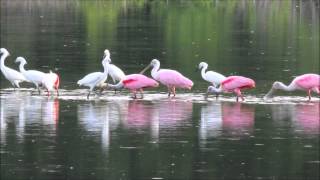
<point x="305" y="82"/>
<point x="12" y="75"/>
<point x="170" y="78"/>
<point x="134" y="82"/>
<point x="96" y="79"/>
<point x="233" y="84"/>
<point x="32" y="76"/>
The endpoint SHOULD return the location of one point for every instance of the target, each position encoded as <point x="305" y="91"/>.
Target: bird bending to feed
<point x="96" y="79"/>
<point x="211" y="76"/>
<point x="134" y="82"/>
<point x="170" y="78"/>
<point x="305" y="82"/>
<point x="50" y="82"/>
<point x="12" y="75"/>
<point x="233" y="84"/>
<point x="33" y="76"/>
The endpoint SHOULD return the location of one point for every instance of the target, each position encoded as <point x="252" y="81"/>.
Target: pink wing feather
<point x="237" y="82"/>
<point x="173" y="78"/>
<point x="308" y="81"/>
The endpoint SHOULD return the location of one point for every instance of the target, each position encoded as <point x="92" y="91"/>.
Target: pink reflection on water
<point x="139" y="114"/>
<point x="307" y="118"/>
<point x="237" y="117"/>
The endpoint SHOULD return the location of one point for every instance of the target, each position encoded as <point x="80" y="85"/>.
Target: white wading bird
<point x="12" y="75"/>
<point x="116" y="74"/>
<point x="211" y="76"/>
<point x="96" y="79"/>
<point x="33" y="76"/>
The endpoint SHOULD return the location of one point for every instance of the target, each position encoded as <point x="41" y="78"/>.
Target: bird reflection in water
<point x="95" y="119"/>
<point x="36" y="112"/>
<point x="304" y="117"/>
<point x="164" y="115"/>
<point x="225" y="118"/>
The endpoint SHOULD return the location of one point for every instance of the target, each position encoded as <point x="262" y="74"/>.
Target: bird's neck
<point x="203" y="71"/>
<point x="105" y="68"/>
<point x="3" y="58"/>
<point x="285" y="87"/>
<point x="21" y="67"/>
<point x="155" y="70"/>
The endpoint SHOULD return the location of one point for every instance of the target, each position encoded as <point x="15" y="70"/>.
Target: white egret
<point x="33" y="76"/>
<point x="96" y="79"/>
<point x="12" y="75"/>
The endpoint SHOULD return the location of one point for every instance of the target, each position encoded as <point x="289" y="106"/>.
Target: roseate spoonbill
<point x="134" y="82"/>
<point x="233" y="84"/>
<point x="305" y="82"/>
<point x="51" y="81"/>
<point x="33" y="76"/>
<point x="96" y="79"/>
<point x="12" y="75"/>
<point x="168" y="77"/>
<point x="211" y="76"/>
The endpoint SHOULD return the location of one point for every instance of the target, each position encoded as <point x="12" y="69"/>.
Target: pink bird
<point x="168" y="77"/>
<point x="51" y="81"/>
<point x="134" y="82"/>
<point x="233" y="84"/>
<point x="305" y="82"/>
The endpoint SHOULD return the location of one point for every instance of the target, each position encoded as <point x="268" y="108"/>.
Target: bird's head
<point x="154" y="62"/>
<point x="212" y="89"/>
<point x="4" y="51"/>
<point x="202" y="65"/>
<point x="276" y="85"/>
<point x="21" y="60"/>
<point x="106" y="53"/>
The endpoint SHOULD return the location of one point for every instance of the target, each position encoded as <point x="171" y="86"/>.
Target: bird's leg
<point x="238" y="93"/>
<point x="169" y="91"/>
<point x="309" y="94"/>
<point x="89" y="94"/>
<point x="100" y="92"/>
<point x="141" y="92"/>
<point x="48" y="94"/>
<point x="57" y="91"/>
<point x="39" y="90"/>
<point x="174" y="91"/>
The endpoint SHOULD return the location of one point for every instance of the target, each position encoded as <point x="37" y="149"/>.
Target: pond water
<point x="187" y="137"/>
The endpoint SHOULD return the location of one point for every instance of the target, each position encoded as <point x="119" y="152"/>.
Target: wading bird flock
<point x="172" y="79"/>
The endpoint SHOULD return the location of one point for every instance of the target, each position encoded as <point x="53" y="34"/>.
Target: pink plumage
<point x="138" y="81"/>
<point x="308" y="81"/>
<point x="232" y="83"/>
<point x="305" y="82"/>
<point x="172" y="78"/>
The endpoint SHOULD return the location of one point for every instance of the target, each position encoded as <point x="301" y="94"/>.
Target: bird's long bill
<point x="269" y="94"/>
<point x="144" y="70"/>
